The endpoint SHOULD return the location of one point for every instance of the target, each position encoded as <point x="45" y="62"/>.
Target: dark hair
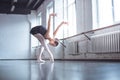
<point x="56" y="43"/>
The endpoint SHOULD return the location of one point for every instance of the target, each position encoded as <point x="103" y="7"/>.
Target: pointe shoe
<point x="42" y="61"/>
<point x="52" y="60"/>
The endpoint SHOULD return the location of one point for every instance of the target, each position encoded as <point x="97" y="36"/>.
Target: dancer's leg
<point x="44" y="44"/>
<point x="50" y="53"/>
<point x="41" y="49"/>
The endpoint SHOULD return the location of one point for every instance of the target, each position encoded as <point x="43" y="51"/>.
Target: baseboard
<point x="116" y="60"/>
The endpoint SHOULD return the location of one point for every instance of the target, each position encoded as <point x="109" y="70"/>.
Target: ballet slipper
<point x="52" y="60"/>
<point x="40" y="60"/>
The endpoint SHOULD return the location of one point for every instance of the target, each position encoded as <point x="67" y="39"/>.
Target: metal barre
<point x="91" y="31"/>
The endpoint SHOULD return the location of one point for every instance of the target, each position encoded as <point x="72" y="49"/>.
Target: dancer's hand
<point x="53" y="14"/>
<point x="63" y="22"/>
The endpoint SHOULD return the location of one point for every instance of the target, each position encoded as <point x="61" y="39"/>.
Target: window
<point x="49" y="11"/>
<point x="39" y="18"/>
<point x="71" y="17"/>
<point x="66" y="10"/>
<point x="116" y="10"/>
<point x="60" y="17"/>
<point x="105" y="12"/>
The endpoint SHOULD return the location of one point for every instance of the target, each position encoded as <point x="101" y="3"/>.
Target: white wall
<point x="14" y="37"/>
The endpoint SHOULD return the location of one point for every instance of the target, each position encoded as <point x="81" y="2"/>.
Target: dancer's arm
<point x="47" y="35"/>
<point x="55" y="32"/>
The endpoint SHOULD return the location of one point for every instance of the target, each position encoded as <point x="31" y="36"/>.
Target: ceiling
<point x="19" y="6"/>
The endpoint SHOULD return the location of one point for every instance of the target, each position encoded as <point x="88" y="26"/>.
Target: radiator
<point x="106" y="43"/>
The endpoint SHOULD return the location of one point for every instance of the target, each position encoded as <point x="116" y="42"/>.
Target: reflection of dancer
<point x="46" y="71"/>
<point x="41" y="34"/>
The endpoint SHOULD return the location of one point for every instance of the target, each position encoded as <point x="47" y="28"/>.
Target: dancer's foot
<point x="40" y="60"/>
<point x="52" y="60"/>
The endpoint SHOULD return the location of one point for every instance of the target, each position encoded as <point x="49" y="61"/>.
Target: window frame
<point x="96" y="15"/>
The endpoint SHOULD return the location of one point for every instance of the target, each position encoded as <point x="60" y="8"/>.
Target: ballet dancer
<point x="43" y="34"/>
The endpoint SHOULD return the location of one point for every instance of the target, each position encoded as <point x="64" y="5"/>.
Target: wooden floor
<point x="59" y="70"/>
